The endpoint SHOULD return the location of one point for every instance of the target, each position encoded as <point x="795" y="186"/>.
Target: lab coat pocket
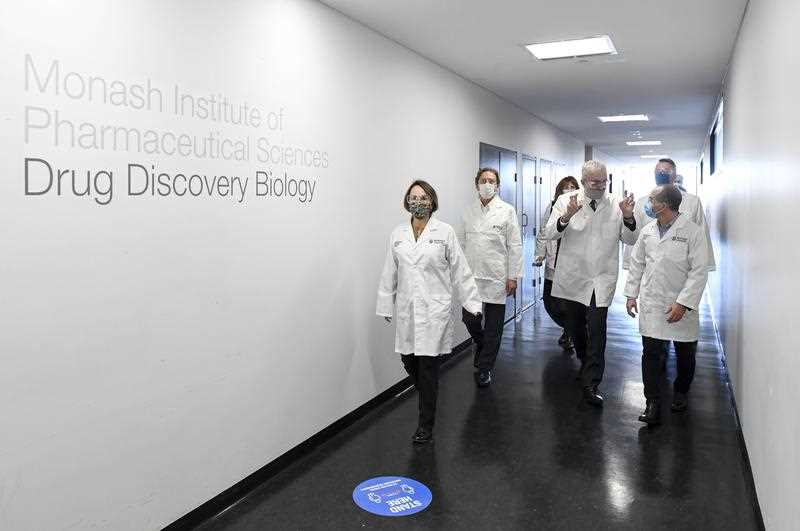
<point x="440" y="308"/>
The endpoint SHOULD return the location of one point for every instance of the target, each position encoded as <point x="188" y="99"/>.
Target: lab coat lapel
<point x="679" y="222"/>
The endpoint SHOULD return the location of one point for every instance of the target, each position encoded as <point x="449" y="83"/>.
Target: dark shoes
<point x="591" y="396"/>
<point x="422" y="436"/>
<point x="652" y="413"/>
<point x="679" y="402"/>
<point x="483" y="378"/>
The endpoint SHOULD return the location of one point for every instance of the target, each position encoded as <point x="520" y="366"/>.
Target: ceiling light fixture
<point x="654" y="156"/>
<point x="644" y="143"/>
<point x="624" y="118"/>
<point x="599" y="45"/>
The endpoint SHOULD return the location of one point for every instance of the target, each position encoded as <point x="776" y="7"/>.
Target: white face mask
<point x="487" y="190"/>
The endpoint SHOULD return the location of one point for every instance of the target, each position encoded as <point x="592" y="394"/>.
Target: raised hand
<point x="572" y="207"/>
<point x="626" y="205"/>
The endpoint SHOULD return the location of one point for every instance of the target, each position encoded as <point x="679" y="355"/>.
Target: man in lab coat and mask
<point x="666" y="172"/>
<point x="590" y="224"/>
<point x="666" y="278"/>
<point x="493" y="246"/>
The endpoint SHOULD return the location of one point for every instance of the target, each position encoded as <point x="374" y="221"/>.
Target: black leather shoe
<point x="652" y="413"/>
<point x="422" y="436"/>
<point x="679" y="402"/>
<point x="591" y="396"/>
<point x="484" y="378"/>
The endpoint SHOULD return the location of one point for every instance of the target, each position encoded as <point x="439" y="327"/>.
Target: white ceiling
<point x="671" y="61"/>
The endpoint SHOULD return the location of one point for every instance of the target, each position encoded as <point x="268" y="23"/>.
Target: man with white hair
<point x="590" y="225"/>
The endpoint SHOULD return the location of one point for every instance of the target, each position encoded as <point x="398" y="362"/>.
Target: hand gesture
<point x="511" y="287"/>
<point x="572" y="208"/>
<point x="626" y="205"/>
<point x="675" y="312"/>
<point x="631" y="307"/>
<point x="538" y="261"/>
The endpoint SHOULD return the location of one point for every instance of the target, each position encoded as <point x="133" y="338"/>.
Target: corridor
<point x="528" y="453"/>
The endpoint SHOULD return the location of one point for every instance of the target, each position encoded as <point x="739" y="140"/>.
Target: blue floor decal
<point x="392" y="496"/>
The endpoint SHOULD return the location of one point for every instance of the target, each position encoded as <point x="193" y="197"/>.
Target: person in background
<point x="547" y="253"/>
<point x="590" y="225"/>
<point x="424" y="266"/>
<point x="667" y="274"/>
<point x="493" y="247"/>
<point x="679" y="182"/>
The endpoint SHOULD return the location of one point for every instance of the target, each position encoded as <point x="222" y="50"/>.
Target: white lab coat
<point x="493" y="247"/>
<point x="546" y="250"/>
<point x="588" y="259"/>
<point x="417" y="284"/>
<point x="667" y="270"/>
<point x="691" y="207"/>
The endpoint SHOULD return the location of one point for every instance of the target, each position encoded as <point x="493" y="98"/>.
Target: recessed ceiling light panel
<point x="600" y="45"/>
<point x="654" y="156"/>
<point x="644" y="143"/>
<point x="624" y="118"/>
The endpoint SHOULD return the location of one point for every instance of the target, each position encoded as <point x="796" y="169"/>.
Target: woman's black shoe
<point x="422" y="436"/>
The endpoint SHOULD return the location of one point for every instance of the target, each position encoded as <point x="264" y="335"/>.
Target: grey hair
<point x="671" y="195"/>
<point x="593" y="166"/>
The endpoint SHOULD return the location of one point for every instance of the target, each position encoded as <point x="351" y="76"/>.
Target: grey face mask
<point x="594" y="194"/>
<point x="419" y="209"/>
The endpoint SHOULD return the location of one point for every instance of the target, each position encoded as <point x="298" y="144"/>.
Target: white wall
<point x="753" y="204"/>
<point x="155" y="351"/>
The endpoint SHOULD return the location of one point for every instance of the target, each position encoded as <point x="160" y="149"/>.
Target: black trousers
<point x="486" y="332"/>
<point x="424" y="373"/>
<point x="553" y="305"/>
<point x="586" y="325"/>
<point x="653" y="351"/>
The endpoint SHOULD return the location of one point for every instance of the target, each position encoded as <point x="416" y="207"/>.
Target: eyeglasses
<point x="418" y="199"/>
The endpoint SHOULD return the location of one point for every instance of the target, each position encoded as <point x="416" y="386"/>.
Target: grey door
<point x="546" y="190"/>
<point x="528" y="208"/>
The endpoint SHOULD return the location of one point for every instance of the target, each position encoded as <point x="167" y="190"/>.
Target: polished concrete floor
<point x="526" y="453"/>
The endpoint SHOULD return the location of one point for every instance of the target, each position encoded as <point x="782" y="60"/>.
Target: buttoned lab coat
<point x="690" y="206"/>
<point x="546" y="250"/>
<point x="493" y="247"/>
<point x="417" y="284"/>
<point x="588" y="259"/>
<point x="667" y="270"/>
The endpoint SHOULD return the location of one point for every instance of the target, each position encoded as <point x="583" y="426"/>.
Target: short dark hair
<point x="671" y="195"/>
<point x="428" y="190"/>
<point x="670" y="162"/>
<point x="490" y="170"/>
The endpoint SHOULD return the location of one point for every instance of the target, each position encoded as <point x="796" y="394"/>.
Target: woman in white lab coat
<point x="424" y="266"/>
<point x="546" y="253"/>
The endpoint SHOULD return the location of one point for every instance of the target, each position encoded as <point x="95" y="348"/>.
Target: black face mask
<point x="419" y="209"/>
